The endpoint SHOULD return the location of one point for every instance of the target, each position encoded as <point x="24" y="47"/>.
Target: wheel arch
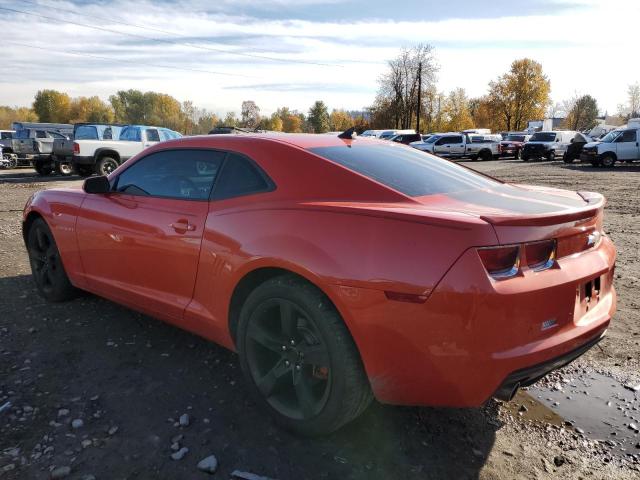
<point x="31" y="217"/>
<point x="254" y="277"/>
<point x="608" y="153"/>
<point x="107" y="152"/>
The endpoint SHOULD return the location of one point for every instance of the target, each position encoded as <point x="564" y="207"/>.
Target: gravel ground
<point x="89" y="389"/>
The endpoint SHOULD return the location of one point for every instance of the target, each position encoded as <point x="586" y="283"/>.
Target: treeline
<point x="152" y="108"/>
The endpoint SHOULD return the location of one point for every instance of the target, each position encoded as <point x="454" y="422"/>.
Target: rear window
<point x="406" y="170"/>
<point x="515" y="138"/>
<point x="543" y="137"/>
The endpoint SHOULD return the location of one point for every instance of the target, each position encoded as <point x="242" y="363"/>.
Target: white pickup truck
<point x="104" y="156"/>
<point x="461" y="145"/>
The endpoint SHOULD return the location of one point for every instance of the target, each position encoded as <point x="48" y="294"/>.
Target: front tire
<point x="607" y="161"/>
<point x="46" y="265"/>
<point x="486" y="155"/>
<point x="551" y="156"/>
<point x="299" y="359"/>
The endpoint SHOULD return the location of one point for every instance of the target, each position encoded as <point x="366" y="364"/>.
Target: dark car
<point x="407" y="138"/>
<point x="575" y="148"/>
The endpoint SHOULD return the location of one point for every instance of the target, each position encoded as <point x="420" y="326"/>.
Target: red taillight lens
<point x="76" y="149"/>
<point x="540" y="255"/>
<point x="501" y="262"/>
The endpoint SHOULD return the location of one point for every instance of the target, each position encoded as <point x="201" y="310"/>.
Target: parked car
<point x="512" y="144"/>
<point x="62" y="151"/>
<point x="33" y="145"/>
<point x="406" y="138"/>
<point x="372" y="133"/>
<point x="548" y="145"/>
<point x="622" y="145"/>
<point x="389" y="134"/>
<point x="575" y="147"/>
<point x="104" y="156"/>
<point x="460" y="145"/>
<point x="236" y="238"/>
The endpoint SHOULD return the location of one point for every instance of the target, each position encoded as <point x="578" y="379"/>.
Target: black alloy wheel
<point x="300" y="360"/>
<point x="46" y="265"/>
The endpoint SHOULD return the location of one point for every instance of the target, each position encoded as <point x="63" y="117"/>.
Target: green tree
<point x="520" y="95"/>
<point x="52" y="106"/>
<point x="230" y="120"/>
<point x="319" y="117"/>
<point x="582" y="113"/>
<point x="129" y="106"/>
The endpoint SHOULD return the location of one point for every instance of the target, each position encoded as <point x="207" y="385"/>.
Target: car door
<point x="151" y="137"/>
<point x="140" y="243"/>
<point x="627" y="145"/>
<point x="450" y="145"/>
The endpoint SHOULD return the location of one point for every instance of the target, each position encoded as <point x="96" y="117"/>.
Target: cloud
<point x="475" y="42"/>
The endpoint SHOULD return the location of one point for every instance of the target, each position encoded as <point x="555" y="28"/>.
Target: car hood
<point x="592" y="144"/>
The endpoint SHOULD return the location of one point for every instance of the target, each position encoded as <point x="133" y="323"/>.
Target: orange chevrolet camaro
<point x="339" y="269"/>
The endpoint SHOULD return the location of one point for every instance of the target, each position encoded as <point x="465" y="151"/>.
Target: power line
<point x="163" y="40"/>
<point x="133" y="62"/>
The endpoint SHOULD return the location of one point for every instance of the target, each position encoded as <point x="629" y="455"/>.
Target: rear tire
<point x="64" y="168"/>
<point x="46" y="264"/>
<point x="551" y="156"/>
<point x="106" y="165"/>
<point x="42" y="169"/>
<point x="486" y="155"/>
<point x="525" y="158"/>
<point x="290" y="332"/>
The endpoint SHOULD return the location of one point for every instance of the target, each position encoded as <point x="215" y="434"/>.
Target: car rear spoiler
<point x="595" y="203"/>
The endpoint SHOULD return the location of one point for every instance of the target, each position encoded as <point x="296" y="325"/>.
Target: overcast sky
<point x="281" y="52"/>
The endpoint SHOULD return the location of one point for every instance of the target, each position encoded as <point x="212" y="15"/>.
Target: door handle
<point x="182" y="226"/>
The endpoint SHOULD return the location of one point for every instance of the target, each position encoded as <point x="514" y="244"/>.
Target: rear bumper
<point x="475" y="337"/>
<point x="528" y="376"/>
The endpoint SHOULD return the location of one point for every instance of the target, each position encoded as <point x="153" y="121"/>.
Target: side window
<point x="628" y="136"/>
<point x="152" y="135"/>
<point x="130" y="134"/>
<point x="450" y="140"/>
<point x="240" y="176"/>
<point x="181" y="174"/>
<point x="41" y="134"/>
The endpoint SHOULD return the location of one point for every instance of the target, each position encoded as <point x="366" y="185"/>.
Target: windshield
<point x="431" y="139"/>
<point x="543" y="137"/>
<point x="86" y="132"/>
<point x="406" y="170"/>
<point x="387" y="135"/>
<point x="515" y="138"/>
<point x="611" y="136"/>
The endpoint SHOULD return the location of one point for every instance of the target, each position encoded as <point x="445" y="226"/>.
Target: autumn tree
<point x="581" y="113"/>
<point x="292" y="121"/>
<point x="8" y="115"/>
<point x="129" y="106"/>
<point x="520" y="95"/>
<point x="318" y="117"/>
<point x="340" y="120"/>
<point x="457" y="111"/>
<point x="90" y="109"/>
<point x="206" y="122"/>
<point x="230" y="120"/>
<point x="484" y="115"/>
<point x="249" y="114"/>
<point x="52" y="106"/>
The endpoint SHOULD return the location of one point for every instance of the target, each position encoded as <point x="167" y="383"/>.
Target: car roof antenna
<point x="349" y="134"/>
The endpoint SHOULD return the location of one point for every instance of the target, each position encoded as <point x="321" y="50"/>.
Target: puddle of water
<point x="598" y="406"/>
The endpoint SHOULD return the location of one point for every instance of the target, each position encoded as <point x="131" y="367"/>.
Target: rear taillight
<point x="501" y="262"/>
<point x="540" y="255"/>
<point x="76" y="149"/>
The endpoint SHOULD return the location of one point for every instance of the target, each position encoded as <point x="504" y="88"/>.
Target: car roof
<point x="301" y="140"/>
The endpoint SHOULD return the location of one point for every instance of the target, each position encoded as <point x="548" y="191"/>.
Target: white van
<point x="621" y="145"/>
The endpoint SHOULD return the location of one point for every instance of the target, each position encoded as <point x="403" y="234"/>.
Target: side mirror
<point x="97" y="185"/>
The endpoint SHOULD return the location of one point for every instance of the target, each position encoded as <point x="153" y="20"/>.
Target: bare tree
<point x="398" y="92"/>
